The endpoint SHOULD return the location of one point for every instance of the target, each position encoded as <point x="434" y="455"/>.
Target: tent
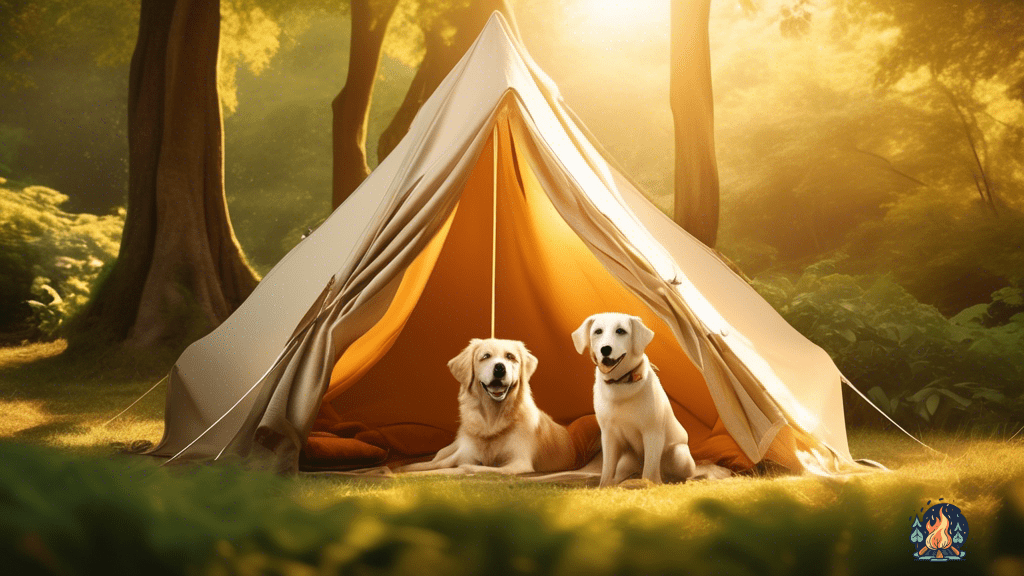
<point x="496" y="209"/>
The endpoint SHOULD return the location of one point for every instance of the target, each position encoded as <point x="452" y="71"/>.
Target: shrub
<point x="49" y="260"/>
<point x="914" y="362"/>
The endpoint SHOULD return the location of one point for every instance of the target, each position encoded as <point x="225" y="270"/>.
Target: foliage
<point x="49" y="259"/>
<point x="915" y="363"/>
<point x="920" y="177"/>
<point x="37" y="30"/>
<point x="829" y="155"/>
<point x="944" y="246"/>
<point x="278" y="144"/>
<point x="11" y="139"/>
<point x="84" y="516"/>
<point x="249" y="37"/>
<point x="972" y="40"/>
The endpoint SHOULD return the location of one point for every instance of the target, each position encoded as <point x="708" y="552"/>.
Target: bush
<point x="914" y="362"/>
<point x="49" y="260"/>
<point x="946" y="250"/>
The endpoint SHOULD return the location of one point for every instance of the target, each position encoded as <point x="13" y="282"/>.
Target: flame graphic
<point x="938" y="533"/>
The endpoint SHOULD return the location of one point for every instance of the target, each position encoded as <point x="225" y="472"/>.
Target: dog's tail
<point x="709" y="471"/>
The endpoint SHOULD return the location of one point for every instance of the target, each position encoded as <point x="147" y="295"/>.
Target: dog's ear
<point x="642" y="335"/>
<point x="462" y="365"/>
<point x="581" y="337"/>
<point x="529" y="363"/>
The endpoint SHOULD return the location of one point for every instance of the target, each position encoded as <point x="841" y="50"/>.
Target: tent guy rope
<point x="137" y="400"/>
<point x="886" y="416"/>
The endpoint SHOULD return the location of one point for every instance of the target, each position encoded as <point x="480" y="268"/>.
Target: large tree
<point x="180" y="271"/>
<point x="696" y="169"/>
<point x="449" y="28"/>
<point x="351" y="108"/>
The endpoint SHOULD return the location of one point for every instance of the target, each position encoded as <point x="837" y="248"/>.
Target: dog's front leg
<point x="511" y="468"/>
<point x="447" y="457"/>
<point x="610" y="453"/>
<point x="654" y="445"/>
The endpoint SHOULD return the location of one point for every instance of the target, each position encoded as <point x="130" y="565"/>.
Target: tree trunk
<point x="438" y="60"/>
<point x="696" y="178"/>
<point x="180" y="271"/>
<point x="351" y="107"/>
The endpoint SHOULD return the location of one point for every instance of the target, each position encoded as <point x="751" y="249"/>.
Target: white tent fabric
<point x="252" y="387"/>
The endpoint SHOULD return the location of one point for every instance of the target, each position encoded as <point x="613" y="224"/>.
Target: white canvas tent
<point x="358" y="319"/>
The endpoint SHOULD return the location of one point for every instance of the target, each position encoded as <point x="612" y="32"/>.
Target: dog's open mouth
<point x="606" y="364"/>
<point x="496" y="389"/>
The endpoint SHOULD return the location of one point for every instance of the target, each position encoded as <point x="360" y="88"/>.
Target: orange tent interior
<point x="391" y="396"/>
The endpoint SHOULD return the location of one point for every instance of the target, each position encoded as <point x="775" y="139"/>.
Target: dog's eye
<point x="620" y="331"/>
<point x="485" y="356"/>
<point x="510" y="356"/>
<point x="598" y="331"/>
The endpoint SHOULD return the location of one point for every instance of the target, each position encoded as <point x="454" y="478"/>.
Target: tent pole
<point x="494" y="218"/>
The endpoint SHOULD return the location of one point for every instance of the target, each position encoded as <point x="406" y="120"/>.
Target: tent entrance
<point x="391" y="388"/>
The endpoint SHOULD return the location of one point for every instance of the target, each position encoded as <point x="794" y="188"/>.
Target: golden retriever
<point x="501" y="429"/>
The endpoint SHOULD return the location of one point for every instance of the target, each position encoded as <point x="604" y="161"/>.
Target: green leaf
<point x="904" y="332"/>
<point x="1010" y="296"/>
<point x="932" y="404"/>
<point x="923" y="413"/>
<point x="877" y="395"/>
<point x="922" y="394"/>
<point x="972" y="315"/>
<point x="964" y="402"/>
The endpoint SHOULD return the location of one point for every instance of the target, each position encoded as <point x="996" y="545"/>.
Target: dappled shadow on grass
<point x="42" y="432"/>
<point x="47" y="399"/>
<point x="93" y="360"/>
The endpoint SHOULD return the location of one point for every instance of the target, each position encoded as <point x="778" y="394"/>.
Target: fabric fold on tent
<point x="253" y="388"/>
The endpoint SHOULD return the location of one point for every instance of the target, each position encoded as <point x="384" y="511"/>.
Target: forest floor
<point x="747" y="520"/>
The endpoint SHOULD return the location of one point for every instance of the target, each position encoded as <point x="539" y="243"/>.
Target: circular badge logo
<point x="939" y="534"/>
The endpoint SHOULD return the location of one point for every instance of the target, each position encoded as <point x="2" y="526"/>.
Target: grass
<point x="43" y="400"/>
<point x="218" y="520"/>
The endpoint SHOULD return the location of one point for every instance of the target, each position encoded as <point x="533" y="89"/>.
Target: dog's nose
<point x="499" y="370"/>
<point x="606" y="350"/>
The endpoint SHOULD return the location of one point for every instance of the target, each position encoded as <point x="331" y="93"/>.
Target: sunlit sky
<point x="612" y="21"/>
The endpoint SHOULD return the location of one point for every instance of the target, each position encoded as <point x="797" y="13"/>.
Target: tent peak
<point x="497" y="20"/>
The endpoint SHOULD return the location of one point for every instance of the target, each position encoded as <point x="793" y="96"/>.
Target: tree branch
<point x="974" y="146"/>
<point x="890" y="166"/>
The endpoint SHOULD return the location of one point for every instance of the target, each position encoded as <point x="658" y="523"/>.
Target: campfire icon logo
<point x="939" y="534"/>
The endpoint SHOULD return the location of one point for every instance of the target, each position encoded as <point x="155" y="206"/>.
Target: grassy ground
<point x="229" y="521"/>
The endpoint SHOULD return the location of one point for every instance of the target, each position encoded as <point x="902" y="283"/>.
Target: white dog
<point x="501" y="429"/>
<point x="638" y="427"/>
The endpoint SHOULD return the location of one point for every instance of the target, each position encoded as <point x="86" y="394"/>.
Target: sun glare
<point x="617" y="20"/>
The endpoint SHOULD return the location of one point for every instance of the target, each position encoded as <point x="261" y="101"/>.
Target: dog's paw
<point x="707" y="471"/>
<point x="636" y="484"/>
